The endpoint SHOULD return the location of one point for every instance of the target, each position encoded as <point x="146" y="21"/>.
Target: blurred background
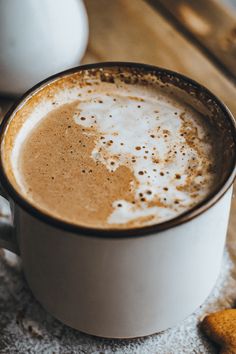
<point x="40" y="38"/>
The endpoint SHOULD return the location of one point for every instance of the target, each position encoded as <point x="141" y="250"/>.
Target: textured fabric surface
<point x="26" y="328"/>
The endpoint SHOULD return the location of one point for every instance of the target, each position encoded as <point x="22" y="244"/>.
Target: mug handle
<point x="7" y="230"/>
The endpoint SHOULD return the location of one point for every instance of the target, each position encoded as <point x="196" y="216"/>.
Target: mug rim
<point x="182" y="218"/>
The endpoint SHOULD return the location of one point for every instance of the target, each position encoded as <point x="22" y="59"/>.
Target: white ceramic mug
<point x="125" y="283"/>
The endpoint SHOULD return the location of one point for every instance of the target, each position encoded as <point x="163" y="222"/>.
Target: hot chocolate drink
<point x="101" y="151"/>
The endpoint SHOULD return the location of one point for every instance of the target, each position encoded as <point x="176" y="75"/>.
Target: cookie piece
<point x="221" y="328"/>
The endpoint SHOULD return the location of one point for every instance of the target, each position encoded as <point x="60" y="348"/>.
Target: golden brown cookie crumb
<point x="221" y="328"/>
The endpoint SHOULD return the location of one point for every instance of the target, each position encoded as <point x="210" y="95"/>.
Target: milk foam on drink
<point x="164" y="143"/>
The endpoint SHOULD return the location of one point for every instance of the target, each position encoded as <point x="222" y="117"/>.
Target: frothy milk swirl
<point x="146" y="134"/>
<point x="162" y="141"/>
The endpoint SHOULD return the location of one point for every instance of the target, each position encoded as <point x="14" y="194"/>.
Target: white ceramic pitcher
<point x="38" y="39"/>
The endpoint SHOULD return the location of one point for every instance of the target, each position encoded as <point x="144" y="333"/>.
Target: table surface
<point x="121" y="30"/>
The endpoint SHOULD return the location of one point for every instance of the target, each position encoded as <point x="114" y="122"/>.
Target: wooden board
<point x="134" y="31"/>
<point x="209" y="25"/>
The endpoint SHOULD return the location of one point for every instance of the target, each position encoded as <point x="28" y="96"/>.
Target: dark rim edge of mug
<point x="116" y="233"/>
